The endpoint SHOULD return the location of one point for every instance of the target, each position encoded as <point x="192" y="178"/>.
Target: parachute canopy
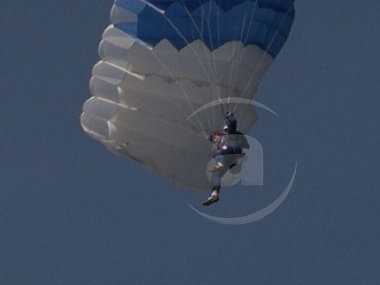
<point x="169" y="72"/>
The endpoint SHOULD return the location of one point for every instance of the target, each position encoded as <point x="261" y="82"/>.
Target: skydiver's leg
<point x="218" y="158"/>
<point x="219" y="163"/>
<point x="216" y="178"/>
<point x="225" y="159"/>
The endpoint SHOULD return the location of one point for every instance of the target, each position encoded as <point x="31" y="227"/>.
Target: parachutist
<point x="227" y="149"/>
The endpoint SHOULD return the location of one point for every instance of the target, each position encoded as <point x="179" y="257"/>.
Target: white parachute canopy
<point x="169" y="72"/>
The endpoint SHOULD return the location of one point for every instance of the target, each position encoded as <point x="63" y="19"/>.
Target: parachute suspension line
<point x="153" y="6"/>
<point x="236" y="58"/>
<point x="211" y="61"/>
<point x="212" y="64"/>
<point x="218" y="27"/>
<point x="244" y="39"/>
<point x="195" y="53"/>
<point x="199" y="124"/>
<point x="183" y="91"/>
<point x="263" y="54"/>
<point x="212" y="55"/>
<point x="237" y="54"/>
<point x="200" y="33"/>
<point x="228" y="70"/>
<point x="250" y="22"/>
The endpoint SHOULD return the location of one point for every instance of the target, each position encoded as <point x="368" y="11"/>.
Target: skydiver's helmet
<point x="213" y="134"/>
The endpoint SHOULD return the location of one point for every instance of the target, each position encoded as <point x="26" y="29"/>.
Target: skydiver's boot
<point x="210" y="200"/>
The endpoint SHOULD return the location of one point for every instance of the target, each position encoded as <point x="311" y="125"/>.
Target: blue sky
<point x="73" y="213"/>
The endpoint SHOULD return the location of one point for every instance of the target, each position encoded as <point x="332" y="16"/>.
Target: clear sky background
<point x="73" y="213"/>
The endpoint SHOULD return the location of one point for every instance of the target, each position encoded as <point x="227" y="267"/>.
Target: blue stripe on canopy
<point x="265" y="23"/>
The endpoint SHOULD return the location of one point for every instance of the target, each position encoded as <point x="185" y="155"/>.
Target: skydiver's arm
<point x="231" y="123"/>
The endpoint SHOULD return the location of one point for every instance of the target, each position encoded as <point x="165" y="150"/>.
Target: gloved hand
<point x="229" y="114"/>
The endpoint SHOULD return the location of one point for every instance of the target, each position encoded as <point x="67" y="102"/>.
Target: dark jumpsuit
<point x="227" y="151"/>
